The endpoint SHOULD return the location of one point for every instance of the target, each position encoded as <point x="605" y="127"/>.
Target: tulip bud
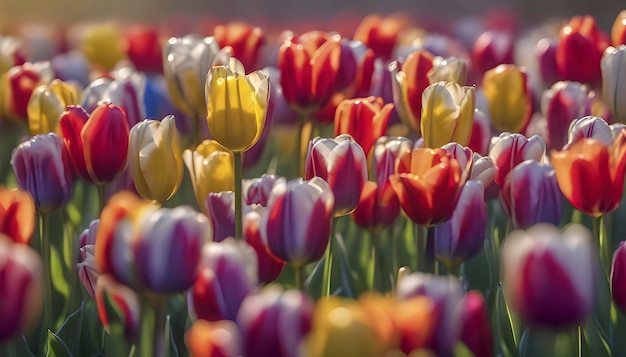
<point x="213" y="339"/>
<point x="618" y="276"/>
<point x="548" y="276"/>
<point x="510" y="150"/>
<point x="491" y="49"/>
<point x="451" y="69"/>
<point x="258" y="190"/>
<point x="447" y="114"/>
<point x="22" y="80"/>
<point x="481" y="135"/>
<point x="102" y="45"/>
<point x="378" y="207"/>
<point x="614" y="81"/>
<point x="21" y="283"/>
<point x="211" y="168"/>
<point x="365" y="119"/>
<point x="618" y="31"/>
<point x="42" y="168"/>
<point x="47" y="103"/>
<point x="153" y="146"/>
<point x="227" y="273"/>
<point x="341" y="162"/>
<point x="236" y="106"/>
<point x="127" y="93"/>
<point x="88" y="271"/>
<point x="531" y="195"/>
<point x="113" y="296"/>
<point x="269" y="266"/>
<point x="97" y="143"/>
<point x="461" y="237"/>
<point x="476" y="331"/>
<point x="17" y="215"/>
<point x="590" y="127"/>
<point x="383" y="157"/>
<point x="508" y="99"/>
<point x="220" y="208"/>
<point x="296" y="226"/>
<point x="244" y="40"/>
<point x="545" y="50"/>
<point x="561" y="104"/>
<point x="275" y="323"/>
<point x="143" y="48"/>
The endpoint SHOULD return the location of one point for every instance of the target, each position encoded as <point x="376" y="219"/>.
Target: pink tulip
<point x="476" y="331"/>
<point x="510" y="150"/>
<point x="268" y="265"/>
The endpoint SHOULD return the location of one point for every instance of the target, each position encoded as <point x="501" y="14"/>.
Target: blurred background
<point x="530" y="12"/>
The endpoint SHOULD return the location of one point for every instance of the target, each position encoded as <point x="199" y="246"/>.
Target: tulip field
<point x="248" y="190"/>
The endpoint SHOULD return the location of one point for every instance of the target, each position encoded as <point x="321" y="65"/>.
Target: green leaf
<point x="460" y="350"/>
<point x="72" y="330"/>
<point x="170" y="345"/>
<point x="56" y="347"/>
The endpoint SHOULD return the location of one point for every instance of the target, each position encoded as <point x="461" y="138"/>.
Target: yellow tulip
<point x="211" y="168"/>
<point x="447" y="114"/>
<point x="236" y="107"/>
<point x="155" y="158"/>
<point x="508" y="98"/>
<point x="47" y="103"/>
<point x="103" y="45"/>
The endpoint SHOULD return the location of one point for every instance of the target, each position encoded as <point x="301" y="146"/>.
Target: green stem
<point x="300" y="278"/>
<point x="420" y="241"/>
<point x="599" y="230"/>
<point x="44" y="227"/>
<point x="297" y="152"/>
<point x="152" y="327"/>
<point x="238" y="198"/>
<point x="580" y="341"/>
<point x="101" y="196"/>
<point x="328" y="260"/>
<point x="374" y="285"/>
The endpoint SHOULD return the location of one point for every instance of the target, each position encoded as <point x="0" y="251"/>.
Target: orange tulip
<point x="591" y="175"/>
<point x="618" y="31"/>
<point x="380" y="34"/>
<point x="428" y="183"/>
<point x="17" y="214"/>
<point x="365" y="119"/>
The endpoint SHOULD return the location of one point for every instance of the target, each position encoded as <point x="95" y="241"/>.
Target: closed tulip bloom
<point x="144" y="48"/>
<point x="102" y="45"/>
<point x="450" y="69"/>
<point x="428" y="183"/>
<point x="236" y="107"/>
<point x="211" y="168"/>
<point x="563" y="103"/>
<point x="296" y="226"/>
<point x="618" y="277"/>
<point x="480" y="138"/>
<point x="408" y="83"/>
<point x="258" y="190"/>
<point x="447" y="114"/>
<point x="590" y="127"/>
<point x="580" y="49"/>
<point x="17" y="214"/>
<point x="153" y="146"/>
<point x="510" y="150"/>
<point x="124" y="300"/>
<point x="88" y="271"/>
<point x="378" y="207"/>
<point x="22" y="284"/>
<point x="587" y="161"/>
<point x="476" y="331"/>
<point x="548" y="275"/>
<point x="509" y="101"/>
<point x="186" y="62"/>
<point x="275" y="322"/>
<point x="42" y="168"/>
<point x="380" y="33"/>
<point x="126" y="92"/>
<point x="618" y="31"/>
<point x="545" y="52"/>
<point x="21" y="81"/>
<point x="614" y="81"/>
<point x="135" y="237"/>
<point x="531" y="195"/>
<point x="227" y="274"/>
<point x="416" y="320"/>
<point x="365" y="119"/>
<point x="461" y="237"/>
<point x="269" y="266"/>
<point x="213" y="339"/>
<point x="387" y="150"/>
<point x="97" y="143"/>
<point x="220" y="208"/>
<point x="244" y="40"/>
<point x="342" y="163"/>
<point x="491" y="49"/>
<point x="47" y="103"/>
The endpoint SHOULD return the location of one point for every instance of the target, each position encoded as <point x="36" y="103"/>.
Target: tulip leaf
<point x="92" y="331"/>
<point x="56" y="346"/>
<point x="60" y="286"/>
<point x="461" y="350"/>
<point x="72" y="329"/>
<point x="170" y="344"/>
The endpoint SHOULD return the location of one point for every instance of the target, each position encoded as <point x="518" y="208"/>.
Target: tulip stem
<point x="328" y="260"/>
<point x="599" y="230"/>
<point x="238" y="199"/>
<point x="152" y="327"/>
<point x="374" y="261"/>
<point x="300" y="278"/>
<point x="420" y="242"/>
<point x="44" y="225"/>
<point x="101" y="196"/>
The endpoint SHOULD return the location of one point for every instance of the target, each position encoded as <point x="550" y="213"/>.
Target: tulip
<point x="296" y="226"/>
<point x="580" y="49"/>
<point x="342" y="163"/>
<point x="10" y="53"/>
<point x="562" y="104"/>
<point x="213" y="339"/>
<point x="531" y="195"/>
<point x="17" y="215"/>
<point x="133" y="235"/>
<point x="481" y="135"/>
<point x="88" y="271"/>
<point x="416" y="320"/>
<point x="462" y="236"/>
<point x="21" y="81"/>
<point x="446" y="293"/>
<point x="71" y="66"/>
<point x="591" y="127"/>
<point x="228" y="273"/>
<point x="365" y="119"/>
<point x="545" y="51"/>
<point x="244" y="40"/>
<point x="491" y="49"/>
<point x="186" y="62"/>
<point x="510" y="150"/>
<point x="447" y="114"/>
<point x="383" y="157"/>
<point x="614" y="81"/>
<point x="451" y="69"/>
<point x="378" y="207"/>
<point x="408" y="83"/>
<point x="236" y="107"/>
<point x="548" y="276"/>
<point x="97" y="143"/>
<point x="220" y="208"/>
<point x="508" y="99"/>
<point x="102" y="45"/>
<point x="618" y="31"/>
<point x="618" y="274"/>
<point x="22" y="285"/>
<point x="42" y="168"/>
<point x="476" y="331"/>
<point x="586" y="161"/>
<point x="127" y="93"/>
<point x="211" y="169"/>
<point x="275" y="323"/>
<point x="143" y="48"/>
<point x="153" y="146"/>
<point x="380" y="34"/>
<point x="428" y="183"/>
<point x="364" y="64"/>
<point x="258" y="190"/>
<point x="47" y="103"/>
<point x="269" y="266"/>
<point x="112" y="296"/>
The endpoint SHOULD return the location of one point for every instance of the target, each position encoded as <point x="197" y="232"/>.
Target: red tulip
<point x="476" y="331"/>
<point x="244" y="40"/>
<point x="144" y="48"/>
<point x="490" y="49"/>
<point x="17" y="214"/>
<point x="365" y="119"/>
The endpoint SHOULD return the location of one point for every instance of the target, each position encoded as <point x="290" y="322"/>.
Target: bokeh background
<point x="71" y="11"/>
